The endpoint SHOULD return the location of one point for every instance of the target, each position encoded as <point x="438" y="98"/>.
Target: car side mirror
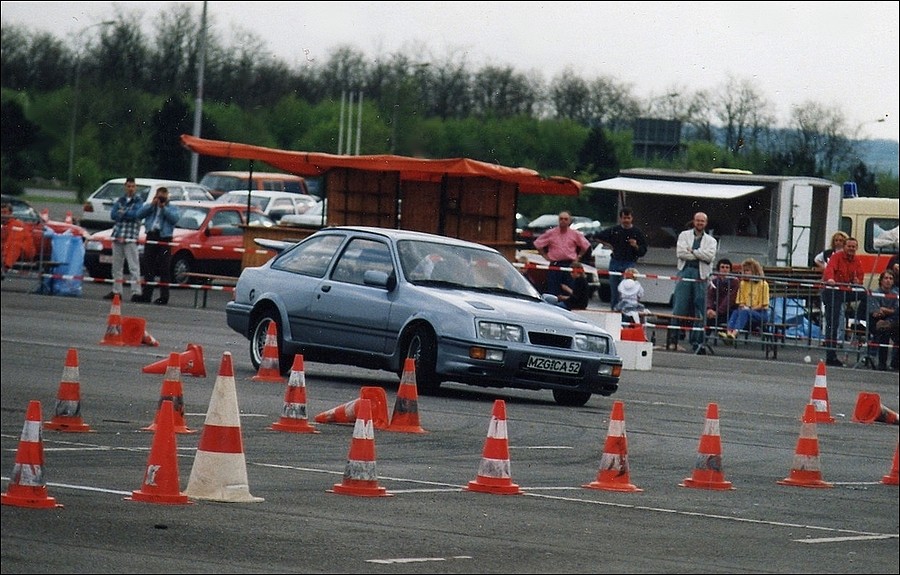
<point x="376" y="278"/>
<point x="550" y="298"/>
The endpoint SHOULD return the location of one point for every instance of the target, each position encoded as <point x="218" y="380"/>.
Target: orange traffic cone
<point x="26" y="485"/>
<point x="269" y="369"/>
<point x="806" y="471"/>
<point x="68" y="399"/>
<point x="360" y="475"/>
<point x="68" y="219"/>
<point x="494" y="474"/>
<point x="708" y="473"/>
<point x="869" y="409"/>
<point x="190" y="361"/>
<point x="148" y="339"/>
<point x="893" y="478"/>
<point x="346" y="413"/>
<point x="293" y="412"/>
<point x="133" y="329"/>
<point x="406" y="407"/>
<point x="220" y="469"/>
<point x="172" y="391"/>
<point x="613" y="474"/>
<point x="45" y="214"/>
<point x="113" y="334"/>
<point x="819" y="396"/>
<point x="161" y="484"/>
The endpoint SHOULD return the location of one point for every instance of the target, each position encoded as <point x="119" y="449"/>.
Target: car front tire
<point x="571" y="398"/>
<point x="422" y="348"/>
<point x="258" y="343"/>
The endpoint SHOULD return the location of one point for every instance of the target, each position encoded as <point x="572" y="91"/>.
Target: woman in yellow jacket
<point x="752" y="299"/>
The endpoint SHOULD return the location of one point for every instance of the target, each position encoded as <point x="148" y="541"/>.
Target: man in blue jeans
<point x="628" y="243"/>
<point x="695" y="251"/>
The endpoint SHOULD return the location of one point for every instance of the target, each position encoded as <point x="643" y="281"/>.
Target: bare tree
<point x="822" y="133"/>
<point x="742" y="113"/>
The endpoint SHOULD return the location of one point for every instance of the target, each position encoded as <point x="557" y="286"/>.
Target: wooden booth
<point x="458" y="197"/>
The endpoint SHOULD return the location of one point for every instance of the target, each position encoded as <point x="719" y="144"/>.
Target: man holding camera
<point x="159" y="222"/>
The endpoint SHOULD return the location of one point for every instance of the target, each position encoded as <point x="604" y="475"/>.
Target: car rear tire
<point x="422" y="347"/>
<point x="570" y="397"/>
<point x="258" y="343"/>
<point x="182" y="264"/>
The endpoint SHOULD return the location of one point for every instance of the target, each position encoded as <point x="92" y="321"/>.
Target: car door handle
<point x="326" y="288"/>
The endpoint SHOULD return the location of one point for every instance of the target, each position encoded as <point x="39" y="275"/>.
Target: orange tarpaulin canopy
<point x="310" y="164"/>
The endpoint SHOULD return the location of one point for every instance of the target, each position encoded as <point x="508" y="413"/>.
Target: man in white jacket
<point x="695" y="250"/>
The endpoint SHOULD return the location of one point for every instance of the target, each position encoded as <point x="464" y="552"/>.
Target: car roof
<point x="266" y="193"/>
<point x="270" y="175"/>
<point x="153" y="182"/>
<point x="396" y="235"/>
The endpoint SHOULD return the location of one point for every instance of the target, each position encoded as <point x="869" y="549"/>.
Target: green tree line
<point x="113" y="100"/>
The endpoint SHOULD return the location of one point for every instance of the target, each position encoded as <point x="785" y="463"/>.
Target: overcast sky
<point x="842" y="54"/>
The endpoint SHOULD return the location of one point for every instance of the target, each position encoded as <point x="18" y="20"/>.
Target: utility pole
<point x="198" y="104"/>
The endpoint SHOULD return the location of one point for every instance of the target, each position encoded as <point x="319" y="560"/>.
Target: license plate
<point x="104" y="259"/>
<point x="553" y="365"/>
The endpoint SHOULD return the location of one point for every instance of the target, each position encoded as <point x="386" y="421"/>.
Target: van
<point x="221" y="182"/>
<point x="872" y="221"/>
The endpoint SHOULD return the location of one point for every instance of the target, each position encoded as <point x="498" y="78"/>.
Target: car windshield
<point x="192" y="217"/>
<point x="115" y="190"/>
<point x="431" y="263"/>
<point x="241" y="198"/>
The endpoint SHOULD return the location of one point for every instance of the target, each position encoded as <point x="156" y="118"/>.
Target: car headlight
<point x="93" y="246"/>
<point x="499" y="331"/>
<point x="591" y="343"/>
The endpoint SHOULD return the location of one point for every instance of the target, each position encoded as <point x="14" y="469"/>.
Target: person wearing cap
<point x="630" y="294"/>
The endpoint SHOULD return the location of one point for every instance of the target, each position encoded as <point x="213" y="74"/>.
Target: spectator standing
<point x="695" y="250"/>
<point x="575" y="293"/>
<point x="159" y="221"/>
<point x="631" y="292"/>
<point x="837" y="244"/>
<point x="883" y="314"/>
<point x="628" y="244"/>
<point x="843" y="276"/>
<point x="721" y="293"/>
<point x="561" y="246"/>
<point x="124" y="241"/>
<point x="752" y="299"/>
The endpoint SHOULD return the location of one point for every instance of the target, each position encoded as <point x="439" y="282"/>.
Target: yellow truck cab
<point x="874" y="222"/>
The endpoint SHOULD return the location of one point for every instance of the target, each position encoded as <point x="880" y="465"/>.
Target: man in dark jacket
<point x="628" y="243"/>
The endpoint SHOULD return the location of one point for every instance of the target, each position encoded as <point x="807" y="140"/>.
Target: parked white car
<point x="95" y="211"/>
<point x="274" y="204"/>
<point x="314" y="217"/>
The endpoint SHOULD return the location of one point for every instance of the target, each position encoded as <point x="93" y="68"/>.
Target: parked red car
<point x="208" y="238"/>
<point x="22" y="232"/>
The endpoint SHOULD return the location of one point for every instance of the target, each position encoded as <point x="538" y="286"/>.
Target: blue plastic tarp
<point x="68" y="249"/>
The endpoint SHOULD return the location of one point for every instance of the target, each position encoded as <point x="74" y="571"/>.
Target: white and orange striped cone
<point x="26" y="484"/>
<point x="869" y="409"/>
<point x="191" y="360"/>
<point x="406" y="407"/>
<point x="346" y="412"/>
<point x="893" y="478"/>
<point x="708" y="472"/>
<point x="293" y="413"/>
<point x="219" y="472"/>
<point x="613" y="474"/>
<point x="67" y="416"/>
<point x="806" y="471"/>
<point x="819" y="396"/>
<point x="68" y="219"/>
<point x="360" y="474"/>
<point x="45" y="214"/>
<point x="148" y="339"/>
<point x="172" y="391"/>
<point x="495" y="470"/>
<point x="161" y="483"/>
<point x="113" y="334"/>
<point x="269" y="368"/>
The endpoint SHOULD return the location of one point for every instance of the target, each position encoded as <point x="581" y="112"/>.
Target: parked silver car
<point x="372" y="297"/>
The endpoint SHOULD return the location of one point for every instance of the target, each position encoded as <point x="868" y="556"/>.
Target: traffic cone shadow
<point x="893" y="478"/>
<point x="219" y="472"/>
<point x="269" y="366"/>
<point x="113" y="334"/>
<point x="806" y="471"/>
<point x="294" y="418"/>
<point x="191" y="362"/>
<point x="869" y="409"/>
<point x="819" y="396"/>
<point x="613" y="474"/>
<point x="161" y="483"/>
<point x="346" y="412"/>
<point x="67" y="415"/>
<point x="172" y="391"/>
<point x="708" y="472"/>
<point x="494" y="472"/>
<point x="26" y="484"/>
<point x="360" y="474"/>
<point x="406" y="407"/>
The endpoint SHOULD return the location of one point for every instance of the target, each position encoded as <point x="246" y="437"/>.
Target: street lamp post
<point x="73" y="127"/>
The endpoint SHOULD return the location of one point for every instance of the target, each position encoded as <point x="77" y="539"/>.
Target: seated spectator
<point x="630" y="294"/>
<point x="882" y="319"/>
<point x="721" y="294"/>
<point x="576" y="291"/>
<point x="752" y="300"/>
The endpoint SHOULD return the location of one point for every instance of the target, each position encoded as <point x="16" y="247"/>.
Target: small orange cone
<point x="893" y="478"/>
<point x="269" y="369"/>
<point x="133" y="329"/>
<point x="708" y="473"/>
<point x="68" y="399"/>
<point x="806" y="471"/>
<point x="346" y="413"/>
<point x="113" y="334"/>
<point x="869" y="409"/>
<point x="494" y="471"/>
<point x="148" y="339"/>
<point x="161" y="484"/>
<point x="26" y="484"/>
<point x="68" y="219"/>
<point x="172" y="391"/>
<point x="613" y="474"/>
<point x="293" y="412"/>
<point x="406" y="407"/>
<point x="360" y="474"/>
<point x="45" y="214"/>
<point x="219" y="472"/>
<point x="191" y="362"/>
<point x="819" y="396"/>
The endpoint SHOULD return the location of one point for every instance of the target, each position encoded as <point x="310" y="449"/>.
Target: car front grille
<point x="550" y="340"/>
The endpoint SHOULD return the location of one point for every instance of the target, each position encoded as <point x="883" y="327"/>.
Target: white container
<point x="636" y="355"/>
<point x="611" y="321"/>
